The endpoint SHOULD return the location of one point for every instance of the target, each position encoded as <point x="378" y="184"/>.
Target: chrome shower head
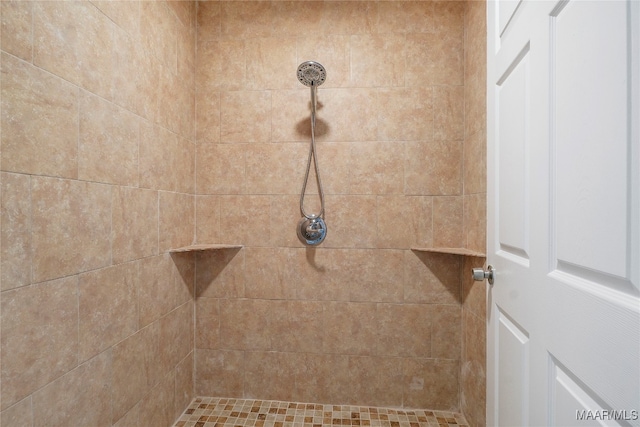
<point x="311" y="73"/>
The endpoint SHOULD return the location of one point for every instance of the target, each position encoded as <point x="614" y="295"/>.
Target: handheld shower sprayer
<point x="312" y="229"/>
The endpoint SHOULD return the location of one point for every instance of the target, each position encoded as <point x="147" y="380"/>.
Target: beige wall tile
<point x="177" y="220"/>
<point x="134" y="223"/>
<point x="108" y="143"/>
<point x="78" y="398"/>
<point x="404" y="221"/>
<point x="16" y="28"/>
<point x="176" y="109"/>
<point x="475" y="104"/>
<point x="84" y="35"/>
<point x="334" y="161"/>
<point x="71" y="227"/>
<point x="345" y="114"/>
<point x="15" y="231"/>
<point x="207" y="219"/>
<point x="130" y="88"/>
<point x="125" y="15"/>
<point x="247" y="19"/>
<point x="473" y="370"/>
<point x="475" y="220"/>
<point x="433" y="168"/>
<point x="220" y="373"/>
<point x="245" y="220"/>
<point x="208" y="20"/>
<point x="431" y="383"/>
<point x="270" y="374"/>
<point x="176" y="336"/>
<point x="417" y="17"/>
<point x="475" y="163"/>
<point x="275" y="168"/>
<point x="345" y="17"/>
<point x="243" y="322"/>
<point x="135" y="369"/>
<point x="406" y="114"/>
<point x="167" y="161"/>
<point x="376" y="168"/>
<point x="446" y="333"/>
<point x="207" y="116"/>
<point x="108" y="308"/>
<point x="157" y="292"/>
<point x="271" y="63"/>
<point x="18" y="415"/>
<point x="208" y="323"/>
<point x="350" y="328"/>
<point x="393" y="17"/>
<point x="158" y="31"/>
<point x="434" y="59"/>
<point x="350" y="221"/>
<point x="400" y="221"/>
<point x="184" y="385"/>
<point x="185" y="11"/>
<point x="318" y="273"/>
<point x="220" y="273"/>
<point x="449" y="104"/>
<point x="322" y="377"/>
<point x="449" y="18"/>
<point x="187" y="46"/>
<point x="375" y="381"/>
<point x="297" y="326"/>
<point x="39" y="336"/>
<point x="245" y="116"/>
<point x="372" y="275"/>
<point x="448" y="222"/>
<point x="475" y="42"/>
<point x="285" y="215"/>
<point x="266" y="274"/>
<point x="431" y="278"/>
<point x="183" y="271"/>
<point x="221" y="168"/>
<point x="39" y="121"/>
<point x="221" y="65"/>
<point x="405" y="330"/>
<point x="156" y="408"/>
<point x="291" y="114"/>
<point x="130" y="419"/>
<point x="378" y="60"/>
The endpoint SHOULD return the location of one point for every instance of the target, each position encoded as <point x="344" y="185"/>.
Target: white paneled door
<point x="563" y="212"/>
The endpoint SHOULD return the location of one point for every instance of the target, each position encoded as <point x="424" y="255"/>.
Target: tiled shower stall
<point x="131" y="128"/>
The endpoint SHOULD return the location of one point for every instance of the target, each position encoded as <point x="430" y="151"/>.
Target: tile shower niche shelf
<point x="208" y="247"/>
<point x="454" y="251"/>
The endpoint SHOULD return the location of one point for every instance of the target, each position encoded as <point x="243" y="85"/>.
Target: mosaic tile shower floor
<point x="220" y="412"/>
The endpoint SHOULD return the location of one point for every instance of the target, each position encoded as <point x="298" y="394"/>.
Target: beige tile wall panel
<point x="15" y="231"/>
<point x="71" y="227"/>
<point x="134" y="224"/>
<point x="108" y="308"/>
<point x="16" y="29"/>
<point x="40" y="327"/>
<point x="39" y="121"/>
<point x="433" y="168"/>
<point x="79" y="398"/>
<point x="108" y="142"/>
